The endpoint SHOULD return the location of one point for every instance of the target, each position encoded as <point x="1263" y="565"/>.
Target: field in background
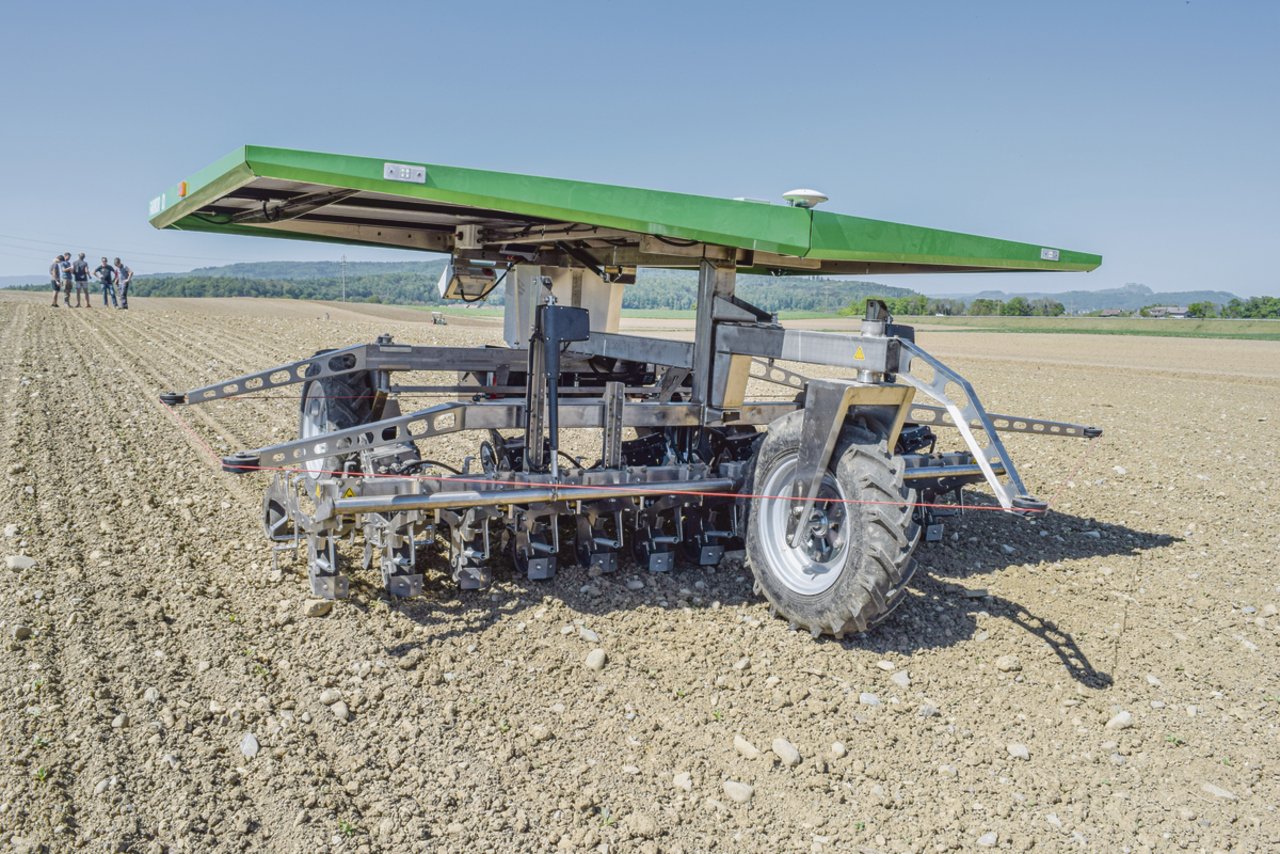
<point x="1254" y="330"/>
<point x="1257" y="330"/>
<point x="643" y="313"/>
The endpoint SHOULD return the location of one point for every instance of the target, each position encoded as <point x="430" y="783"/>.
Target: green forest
<point x="414" y="283"/>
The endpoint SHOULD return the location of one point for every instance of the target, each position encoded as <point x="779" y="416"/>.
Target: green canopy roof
<point x="277" y="192"/>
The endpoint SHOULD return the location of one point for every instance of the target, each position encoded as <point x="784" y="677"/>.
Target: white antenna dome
<point x="804" y="198"/>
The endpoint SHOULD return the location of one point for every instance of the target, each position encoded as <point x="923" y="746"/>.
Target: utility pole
<point x="344" y="278"/>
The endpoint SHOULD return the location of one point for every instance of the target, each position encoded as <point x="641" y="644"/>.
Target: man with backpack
<point x="80" y="272"/>
<point x="107" y="278"/>
<point x="55" y="272"/>
<point x="123" y="276"/>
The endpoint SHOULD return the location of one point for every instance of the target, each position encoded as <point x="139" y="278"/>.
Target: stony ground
<point x="1105" y="678"/>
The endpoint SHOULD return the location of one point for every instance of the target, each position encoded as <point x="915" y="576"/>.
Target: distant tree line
<point x="399" y="288"/>
<point x="1253" y="308"/>
<point x="918" y="304"/>
<point x="414" y="283"/>
<point x="655" y="289"/>
<point x="678" y="289"/>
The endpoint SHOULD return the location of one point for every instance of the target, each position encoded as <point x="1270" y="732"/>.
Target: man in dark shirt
<point x="80" y="273"/>
<point x="107" y="278"/>
<point x="124" y="276"/>
<point x="55" y="271"/>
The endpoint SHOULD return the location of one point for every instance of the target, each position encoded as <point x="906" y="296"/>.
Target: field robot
<point x="824" y="485"/>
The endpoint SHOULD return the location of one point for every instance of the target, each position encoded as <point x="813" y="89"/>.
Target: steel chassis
<point x="667" y="495"/>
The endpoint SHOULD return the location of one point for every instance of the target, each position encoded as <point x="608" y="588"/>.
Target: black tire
<point x="833" y="584"/>
<point x="335" y="403"/>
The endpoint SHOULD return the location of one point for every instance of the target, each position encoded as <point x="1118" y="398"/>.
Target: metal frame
<point x="695" y="386"/>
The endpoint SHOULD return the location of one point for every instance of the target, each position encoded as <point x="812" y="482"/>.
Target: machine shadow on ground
<point x="937" y="613"/>
<point x="940" y="612"/>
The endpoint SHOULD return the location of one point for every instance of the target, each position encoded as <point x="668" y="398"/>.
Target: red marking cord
<point x="657" y="490"/>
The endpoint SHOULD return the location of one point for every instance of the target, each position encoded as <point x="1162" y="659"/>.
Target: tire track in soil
<point x="228" y="587"/>
<point x="224" y="335"/>
<point x="70" y="655"/>
<point x="34" y="703"/>
<point x="81" y="472"/>
<point x="492" y="776"/>
<point x="174" y="341"/>
<point x="67" y="656"/>
<point x="124" y="607"/>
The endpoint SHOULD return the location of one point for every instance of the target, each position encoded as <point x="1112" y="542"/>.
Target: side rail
<point x="388" y="356"/>
<point x="350" y="360"/>
<point x="939" y="416"/>
<point x="966" y="412"/>
<point x="331" y="364"/>
<point x="936" y="416"/>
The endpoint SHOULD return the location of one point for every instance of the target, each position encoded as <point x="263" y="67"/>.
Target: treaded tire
<point x="866" y="580"/>
<point x="335" y="403"/>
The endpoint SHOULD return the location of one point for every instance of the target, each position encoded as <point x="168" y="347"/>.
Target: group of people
<point x="65" y="272"/>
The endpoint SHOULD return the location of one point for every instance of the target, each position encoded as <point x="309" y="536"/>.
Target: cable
<point x="64" y="243"/>
<point x="501" y="278"/>
<point x="23" y="252"/>
<point x="417" y="464"/>
<point x="226" y="221"/>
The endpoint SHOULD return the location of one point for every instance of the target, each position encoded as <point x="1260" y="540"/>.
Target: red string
<point x="657" y="490"/>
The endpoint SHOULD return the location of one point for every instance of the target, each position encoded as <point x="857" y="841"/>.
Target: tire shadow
<point x="938" y="612"/>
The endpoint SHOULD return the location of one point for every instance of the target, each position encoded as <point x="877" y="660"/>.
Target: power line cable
<point x="24" y="253"/>
<point x="119" y="249"/>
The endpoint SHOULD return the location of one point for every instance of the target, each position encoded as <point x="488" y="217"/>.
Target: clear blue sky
<point x="1146" y="131"/>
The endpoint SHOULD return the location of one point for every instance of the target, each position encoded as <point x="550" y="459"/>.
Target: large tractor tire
<point x="335" y="403"/>
<point x="855" y="560"/>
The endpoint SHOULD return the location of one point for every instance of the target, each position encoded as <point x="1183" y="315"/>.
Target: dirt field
<point x="1101" y="679"/>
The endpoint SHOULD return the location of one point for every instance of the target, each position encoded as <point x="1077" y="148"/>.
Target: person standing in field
<point x="80" y="273"/>
<point x="107" y="278"/>
<point x="64" y="267"/>
<point x="123" y="276"/>
<point x="55" y="272"/>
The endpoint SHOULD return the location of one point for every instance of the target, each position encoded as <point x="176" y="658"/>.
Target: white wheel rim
<point x="814" y="566"/>
<point x="312" y="424"/>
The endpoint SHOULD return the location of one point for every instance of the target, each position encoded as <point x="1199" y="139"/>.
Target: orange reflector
<point x="182" y="189"/>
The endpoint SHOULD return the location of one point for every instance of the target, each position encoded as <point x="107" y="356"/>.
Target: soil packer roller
<point x="822" y="484"/>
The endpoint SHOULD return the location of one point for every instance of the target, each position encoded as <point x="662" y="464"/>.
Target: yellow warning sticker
<point x="858" y="354"/>
<point x="350" y="493"/>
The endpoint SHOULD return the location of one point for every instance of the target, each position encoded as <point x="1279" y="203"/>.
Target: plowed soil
<point x="1103" y="678"/>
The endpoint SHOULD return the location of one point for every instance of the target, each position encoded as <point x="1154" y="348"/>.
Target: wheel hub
<point x="815" y="564"/>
